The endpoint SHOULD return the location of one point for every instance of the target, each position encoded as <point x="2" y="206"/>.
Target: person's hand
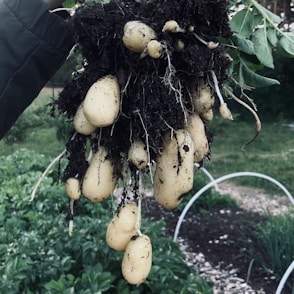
<point x="53" y="3"/>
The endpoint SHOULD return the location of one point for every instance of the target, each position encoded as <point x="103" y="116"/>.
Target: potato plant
<point x="151" y="79"/>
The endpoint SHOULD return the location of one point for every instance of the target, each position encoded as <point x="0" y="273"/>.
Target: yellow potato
<point x="154" y="49"/>
<point x="99" y="180"/>
<point x="137" y="35"/>
<point x="174" y="171"/>
<point x="203" y="98"/>
<point x="72" y="188"/>
<point x="81" y="124"/>
<point x="122" y="227"/>
<point x="138" y="155"/>
<point x="208" y="116"/>
<point x="196" y="130"/>
<point x="137" y="260"/>
<point x="102" y="102"/>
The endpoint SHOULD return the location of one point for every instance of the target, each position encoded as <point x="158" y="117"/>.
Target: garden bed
<point x="215" y="243"/>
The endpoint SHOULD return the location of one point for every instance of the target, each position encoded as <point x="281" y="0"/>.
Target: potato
<point x="174" y="171"/>
<point x="225" y="111"/>
<point x="73" y="189"/>
<point x="196" y="130"/>
<point x="154" y="49"/>
<point x="137" y="35"/>
<point x="99" y="180"/>
<point x="171" y="26"/>
<point x="122" y="227"/>
<point x="81" y="124"/>
<point x="137" y="260"/>
<point x="102" y="102"/>
<point x="203" y="98"/>
<point x="138" y="155"/>
<point x="208" y="116"/>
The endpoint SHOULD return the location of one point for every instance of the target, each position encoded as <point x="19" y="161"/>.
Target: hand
<point x="53" y="3"/>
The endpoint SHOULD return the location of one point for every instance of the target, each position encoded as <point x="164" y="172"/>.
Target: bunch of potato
<point x="100" y="107"/>
<point x="123" y="234"/>
<point x="183" y="144"/>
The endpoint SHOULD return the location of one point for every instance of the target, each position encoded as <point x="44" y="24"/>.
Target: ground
<point x="217" y="234"/>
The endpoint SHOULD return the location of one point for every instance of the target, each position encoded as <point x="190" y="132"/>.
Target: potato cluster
<point x="140" y="106"/>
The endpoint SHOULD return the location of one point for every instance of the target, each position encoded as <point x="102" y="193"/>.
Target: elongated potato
<point x="137" y="35"/>
<point x="99" y="180"/>
<point x="138" y="155"/>
<point x="137" y="260"/>
<point x="196" y="130"/>
<point x="72" y="188"/>
<point x="81" y="124"/>
<point x="174" y="171"/>
<point x="122" y="227"/>
<point x="102" y="102"/>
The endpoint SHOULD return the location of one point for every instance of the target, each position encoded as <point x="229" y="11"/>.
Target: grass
<point x="36" y="127"/>
<point x="272" y="153"/>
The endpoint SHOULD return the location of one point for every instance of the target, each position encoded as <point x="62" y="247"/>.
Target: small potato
<point x="154" y="49"/>
<point x="99" y="180"/>
<point x="122" y="227"/>
<point x="174" y="171"/>
<point x="225" y="111"/>
<point x="203" y="98"/>
<point x="138" y="155"/>
<point x="207" y="116"/>
<point x="196" y="130"/>
<point x="137" y="260"/>
<point x="137" y="35"/>
<point x="72" y="188"/>
<point x="81" y="124"/>
<point x="171" y="26"/>
<point x="102" y="102"/>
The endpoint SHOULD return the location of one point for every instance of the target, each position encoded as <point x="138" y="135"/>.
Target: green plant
<point x="38" y="256"/>
<point x="271" y="244"/>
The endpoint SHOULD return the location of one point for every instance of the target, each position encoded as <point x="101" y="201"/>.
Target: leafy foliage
<point x="38" y="256"/>
<point x="256" y="34"/>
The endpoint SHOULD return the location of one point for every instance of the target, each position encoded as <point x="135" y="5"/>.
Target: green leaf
<point x="244" y="45"/>
<point x="286" y="42"/>
<point x="271" y="17"/>
<point x="272" y="36"/>
<point x="251" y="78"/>
<point x="262" y="48"/>
<point x="243" y="23"/>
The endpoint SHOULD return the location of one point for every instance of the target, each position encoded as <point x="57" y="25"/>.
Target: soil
<point x="217" y="234"/>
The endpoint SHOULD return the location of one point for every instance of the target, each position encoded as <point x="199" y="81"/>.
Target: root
<point x="70" y="224"/>
<point x="57" y="158"/>
<point x="243" y="88"/>
<point x="173" y="83"/>
<point x="223" y="109"/>
<point x="139" y="216"/>
<point x="257" y="120"/>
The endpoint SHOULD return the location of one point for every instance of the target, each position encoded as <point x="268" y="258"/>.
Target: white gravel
<point x="227" y="281"/>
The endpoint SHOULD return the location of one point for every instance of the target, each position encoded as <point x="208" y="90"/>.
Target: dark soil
<point x="204" y="231"/>
<point x="151" y="88"/>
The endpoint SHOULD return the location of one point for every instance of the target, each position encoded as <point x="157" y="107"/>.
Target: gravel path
<point x="227" y="281"/>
